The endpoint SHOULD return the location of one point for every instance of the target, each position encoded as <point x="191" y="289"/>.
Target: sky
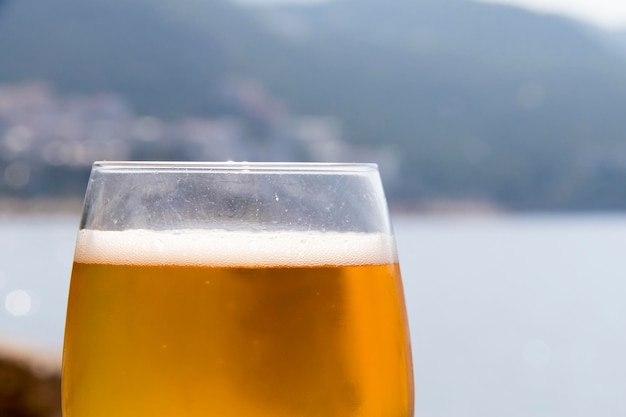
<point x="609" y="14"/>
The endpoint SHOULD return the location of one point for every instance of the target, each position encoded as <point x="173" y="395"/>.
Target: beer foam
<point x="234" y="248"/>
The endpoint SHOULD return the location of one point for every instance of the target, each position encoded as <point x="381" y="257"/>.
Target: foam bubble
<point x="227" y="248"/>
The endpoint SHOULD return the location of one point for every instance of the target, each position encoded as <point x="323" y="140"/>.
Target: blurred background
<point x="499" y="128"/>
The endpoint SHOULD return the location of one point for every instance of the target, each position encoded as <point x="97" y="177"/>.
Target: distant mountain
<point x="478" y="101"/>
<point x="482" y="100"/>
<point x="614" y="41"/>
<point x="166" y="56"/>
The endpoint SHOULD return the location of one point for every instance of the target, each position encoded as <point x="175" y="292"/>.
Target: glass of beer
<point x="236" y="289"/>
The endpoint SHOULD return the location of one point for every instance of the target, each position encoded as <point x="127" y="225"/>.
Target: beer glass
<point x="236" y="289"/>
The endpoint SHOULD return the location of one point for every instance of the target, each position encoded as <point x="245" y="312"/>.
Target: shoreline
<point x="443" y="207"/>
<point x="44" y="360"/>
<point x="462" y="208"/>
<point x="48" y="206"/>
<point x="73" y="206"/>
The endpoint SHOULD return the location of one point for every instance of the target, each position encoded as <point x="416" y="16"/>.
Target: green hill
<point x="478" y="101"/>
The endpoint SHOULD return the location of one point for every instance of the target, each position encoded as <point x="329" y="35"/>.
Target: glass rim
<point x="232" y="166"/>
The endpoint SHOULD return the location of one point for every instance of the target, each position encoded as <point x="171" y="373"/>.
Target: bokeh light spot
<point x="18" y="303"/>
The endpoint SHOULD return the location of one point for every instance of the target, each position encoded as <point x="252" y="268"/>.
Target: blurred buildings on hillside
<point x="49" y="140"/>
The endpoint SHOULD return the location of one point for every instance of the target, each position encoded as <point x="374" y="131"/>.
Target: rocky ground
<point x="28" y="388"/>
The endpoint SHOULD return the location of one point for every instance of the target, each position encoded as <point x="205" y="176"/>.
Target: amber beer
<point x="213" y="323"/>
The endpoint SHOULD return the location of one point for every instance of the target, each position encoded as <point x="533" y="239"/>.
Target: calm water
<point x="510" y="316"/>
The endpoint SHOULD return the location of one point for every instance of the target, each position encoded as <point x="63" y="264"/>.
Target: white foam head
<point x="227" y="248"/>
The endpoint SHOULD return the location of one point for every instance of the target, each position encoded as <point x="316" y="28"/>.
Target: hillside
<point x="167" y="58"/>
<point x="477" y="101"/>
<point x="483" y="100"/>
